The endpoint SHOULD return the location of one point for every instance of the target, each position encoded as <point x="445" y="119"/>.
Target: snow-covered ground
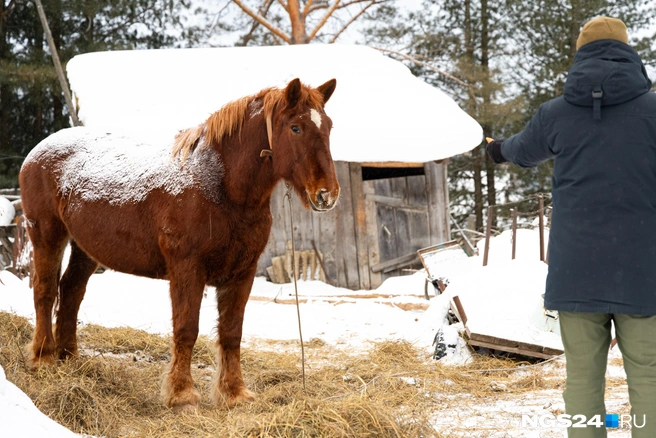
<point x="20" y="418"/>
<point x="502" y="299"/>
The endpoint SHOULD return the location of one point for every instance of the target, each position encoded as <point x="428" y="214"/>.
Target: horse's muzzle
<point x="322" y="200"/>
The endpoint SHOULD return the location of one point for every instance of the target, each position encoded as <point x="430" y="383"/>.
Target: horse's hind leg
<point x="72" y="288"/>
<point x="48" y="237"/>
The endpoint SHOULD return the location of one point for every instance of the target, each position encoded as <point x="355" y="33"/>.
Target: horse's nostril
<point x="322" y="195"/>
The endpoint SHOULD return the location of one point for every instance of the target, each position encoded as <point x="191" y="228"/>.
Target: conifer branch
<point x="424" y="64"/>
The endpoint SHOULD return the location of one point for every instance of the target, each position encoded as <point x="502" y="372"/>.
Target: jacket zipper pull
<point x="597" y="94"/>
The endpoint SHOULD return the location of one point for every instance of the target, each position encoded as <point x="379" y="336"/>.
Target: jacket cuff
<point x="494" y="151"/>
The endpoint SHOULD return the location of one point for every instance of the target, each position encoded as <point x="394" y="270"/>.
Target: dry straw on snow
<point x="391" y="390"/>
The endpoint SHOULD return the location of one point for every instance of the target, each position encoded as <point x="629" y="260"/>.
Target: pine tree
<point x="503" y="59"/>
<point x="297" y="21"/>
<point x="543" y="35"/>
<point x="462" y="39"/>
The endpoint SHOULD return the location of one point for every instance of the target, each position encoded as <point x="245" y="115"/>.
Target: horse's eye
<point x="296" y="129"/>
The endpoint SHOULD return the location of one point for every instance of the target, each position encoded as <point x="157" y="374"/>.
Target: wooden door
<point x="401" y="209"/>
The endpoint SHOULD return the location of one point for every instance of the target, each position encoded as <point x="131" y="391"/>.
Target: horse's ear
<point x="293" y="92"/>
<point x="327" y="89"/>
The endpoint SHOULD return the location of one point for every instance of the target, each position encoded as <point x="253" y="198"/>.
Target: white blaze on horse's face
<point x="316" y="117"/>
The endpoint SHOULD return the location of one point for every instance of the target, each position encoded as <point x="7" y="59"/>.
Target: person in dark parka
<point x="602" y="246"/>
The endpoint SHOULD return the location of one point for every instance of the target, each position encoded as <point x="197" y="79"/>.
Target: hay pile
<point x="392" y="390"/>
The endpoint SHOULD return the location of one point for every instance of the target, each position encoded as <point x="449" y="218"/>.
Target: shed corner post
<point x="437" y="190"/>
<point x="360" y="224"/>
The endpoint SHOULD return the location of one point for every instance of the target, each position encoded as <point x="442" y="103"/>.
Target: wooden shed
<point x="391" y="140"/>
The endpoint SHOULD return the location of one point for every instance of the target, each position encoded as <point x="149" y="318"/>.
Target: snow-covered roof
<point x="381" y="112"/>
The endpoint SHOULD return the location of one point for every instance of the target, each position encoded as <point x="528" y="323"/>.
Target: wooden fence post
<point x="546" y="257"/>
<point x="541" y="216"/>
<point x="488" y="232"/>
<point x="514" y="231"/>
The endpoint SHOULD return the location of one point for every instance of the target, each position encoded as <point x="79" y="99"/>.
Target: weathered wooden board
<point x="438" y="202"/>
<point x="396" y="263"/>
<point x="325" y="227"/>
<point x="373" y="249"/>
<point x="6" y="245"/>
<point x="360" y="224"/>
<point x="383" y="187"/>
<point x="387" y="228"/>
<point x="345" y="248"/>
<point x="516" y="350"/>
<point x="417" y="195"/>
<point x="400" y="189"/>
<point x="344" y="300"/>
<point x="495" y="343"/>
<point x="395" y="164"/>
<point x="385" y="200"/>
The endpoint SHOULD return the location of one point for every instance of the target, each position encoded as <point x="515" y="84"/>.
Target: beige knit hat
<point x="602" y="28"/>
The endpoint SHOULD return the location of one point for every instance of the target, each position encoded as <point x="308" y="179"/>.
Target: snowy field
<point x="502" y="299"/>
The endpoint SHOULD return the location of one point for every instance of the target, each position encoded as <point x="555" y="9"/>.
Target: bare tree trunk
<point x="298" y="17"/>
<point x="38" y="89"/>
<point x="299" y="34"/>
<point x="476" y="153"/>
<point x="487" y="102"/>
<point x="574" y="26"/>
<point x="478" y="187"/>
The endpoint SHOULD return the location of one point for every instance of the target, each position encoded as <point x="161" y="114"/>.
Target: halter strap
<point x="268" y="152"/>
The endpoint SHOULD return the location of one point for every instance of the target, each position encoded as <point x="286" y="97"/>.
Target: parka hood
<point x="609" y="66"/>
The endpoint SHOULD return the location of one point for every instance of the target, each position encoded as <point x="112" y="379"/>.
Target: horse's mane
<point x="230" y="118"/>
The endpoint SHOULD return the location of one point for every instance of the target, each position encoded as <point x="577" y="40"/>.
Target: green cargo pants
<point x="587" y="337"/>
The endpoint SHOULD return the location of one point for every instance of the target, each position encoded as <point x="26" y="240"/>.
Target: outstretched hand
<point x="493" y="148"/>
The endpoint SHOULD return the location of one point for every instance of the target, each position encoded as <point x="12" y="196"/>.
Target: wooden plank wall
<point x="333" y="232"/>
<point x="351" y="237"/>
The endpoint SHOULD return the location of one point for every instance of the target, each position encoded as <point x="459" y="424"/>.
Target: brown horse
<point x="195" y="212"/>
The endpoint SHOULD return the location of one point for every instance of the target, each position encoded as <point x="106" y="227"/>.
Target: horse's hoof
<point x="241" y="395"/>
<point x="68" y="353"/>
<point x="184" y="401"/>
<point x="185" y="409"/>
<point x="38" y="361"/>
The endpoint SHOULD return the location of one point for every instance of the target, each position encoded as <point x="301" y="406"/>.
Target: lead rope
<point x="288" y="195"/>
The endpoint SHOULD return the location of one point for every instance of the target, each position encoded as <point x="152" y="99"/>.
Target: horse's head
<point x="300" y="139"/>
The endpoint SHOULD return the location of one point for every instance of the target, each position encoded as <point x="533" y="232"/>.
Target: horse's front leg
<point x="187" y="284"/>
<point x="228" y="387"/>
